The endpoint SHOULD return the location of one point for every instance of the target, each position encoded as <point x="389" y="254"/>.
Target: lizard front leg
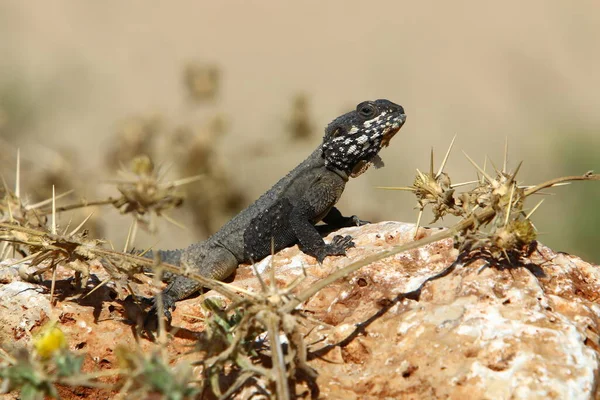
<point x="315" y="201"/>
<point x="310" y="240"/>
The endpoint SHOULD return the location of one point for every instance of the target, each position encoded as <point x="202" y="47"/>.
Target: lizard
<point x="288" y="212"/>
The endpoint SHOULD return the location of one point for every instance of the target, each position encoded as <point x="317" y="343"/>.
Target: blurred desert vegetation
<point x="240" y="92"/>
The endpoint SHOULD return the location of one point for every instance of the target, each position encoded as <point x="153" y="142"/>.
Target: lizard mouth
<point x="391" y="132"/>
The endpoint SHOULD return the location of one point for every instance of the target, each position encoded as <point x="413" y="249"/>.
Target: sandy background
<point x="526" y="71"/>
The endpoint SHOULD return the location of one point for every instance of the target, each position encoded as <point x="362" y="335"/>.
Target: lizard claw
<point x="359" y="222"/>
<point x="341" y="242"/>
<point x="337" y="247"/>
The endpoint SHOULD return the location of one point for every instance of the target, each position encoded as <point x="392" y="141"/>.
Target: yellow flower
<point x="49" y="340"/>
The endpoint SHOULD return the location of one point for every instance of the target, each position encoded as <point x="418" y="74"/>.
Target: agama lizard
<point x="288" y="212"/>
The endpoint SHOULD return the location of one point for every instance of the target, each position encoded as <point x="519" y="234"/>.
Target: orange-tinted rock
<point x="524" y="332"/>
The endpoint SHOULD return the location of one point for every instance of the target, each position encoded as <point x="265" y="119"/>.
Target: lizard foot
<point x="337" y="247"/>
<point x="151" y="320"/>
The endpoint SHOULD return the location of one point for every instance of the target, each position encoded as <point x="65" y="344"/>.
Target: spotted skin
<point x="287" y="213"/>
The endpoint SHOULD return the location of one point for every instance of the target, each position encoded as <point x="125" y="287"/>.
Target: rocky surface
<point x="479" y="332"/>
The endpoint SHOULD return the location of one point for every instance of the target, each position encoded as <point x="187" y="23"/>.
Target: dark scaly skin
<point x="289" y="211"/>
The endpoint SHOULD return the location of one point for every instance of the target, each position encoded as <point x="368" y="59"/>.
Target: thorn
<point x="297" y="280"/>
<point x="423" y="178"/>
<point x="484" y="168"/>
<point x="263" y="285"/>
<point x="74" y="231"/>
<point x="238" y="289"/>
<point x="44" y="202"/>
<point x="273" y="283"/>
<point x="128" y="236"/>
<point x="3" y="251"/>
<point x="407" y="188"/>
<point x="544" y="194"/>
<point x="431" y="163"/>
<point x="98" y="286"/>
<point x="534" y="227"/>
<point x="512" y="178"/>
<point x="53" y="285"/>
<point x="505" y="155"/>
<point x="525" y="187"/>
<point x="5" y="185"/>
<point x="463" y="184"/>
<point x="534" y="209"/>
<point x="561" y="184"/>
<point x="479" y="168"/>
<point x="512" y="192"/>
<point x="10" y="213"/>
<point x="18" y="178"/>
<point x="185" y="181"/>
<point x="152" y="224"/>
<point x="53" y="211"/>
<point x="22" y="260"/>
<point x="134" y="234"/>
<point x="147" y="250"/>
<point x="121" y="168"/>
<point x="418" y="223"/>
<point x="446" y="158"/>
<point x="68" y="226"/>
<point x="162" y="171"/>
<point x="495" y="168"/>
<point x="174" y="222"/>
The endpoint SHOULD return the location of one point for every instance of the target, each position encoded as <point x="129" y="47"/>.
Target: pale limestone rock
<point x="476" y="333"/>
<point x="22" y="307"/>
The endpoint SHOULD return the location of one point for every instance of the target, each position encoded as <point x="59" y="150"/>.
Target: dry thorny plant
<point x="267" y="325"/>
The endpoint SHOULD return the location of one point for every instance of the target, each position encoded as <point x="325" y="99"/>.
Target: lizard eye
<point x="366" y="110"/>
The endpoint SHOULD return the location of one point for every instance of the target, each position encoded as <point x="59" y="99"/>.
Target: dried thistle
<point x="201" y="81"/>
<point x="134" y="136"/>
<point x="215" y="198"/>
<point x="300" y="124"/>
<point x="235" y="332"/>
<point x="510" y="229"/>
<point x="142" y="190"/>
<point x="510" y="234"/>
<point x="143" y="194"/>
<point x="434" y="189"/>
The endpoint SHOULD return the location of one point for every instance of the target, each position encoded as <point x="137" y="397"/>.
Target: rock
<point x="520" y="332"/>
<point x="524" y="332"/>
<point x="23" y="306"/>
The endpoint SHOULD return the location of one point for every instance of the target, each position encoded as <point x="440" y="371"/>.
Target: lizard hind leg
<point x="219" y="263"/>
<point x="215" y="263"/>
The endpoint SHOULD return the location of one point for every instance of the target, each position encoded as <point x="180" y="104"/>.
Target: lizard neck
<point x="319" y="155"/>
<point x="341" y="173"/>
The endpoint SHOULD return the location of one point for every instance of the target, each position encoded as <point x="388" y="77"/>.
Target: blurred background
<point x="240" y="91"/>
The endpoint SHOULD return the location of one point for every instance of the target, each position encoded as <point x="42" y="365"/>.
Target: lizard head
<point x="352" y="141"/>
